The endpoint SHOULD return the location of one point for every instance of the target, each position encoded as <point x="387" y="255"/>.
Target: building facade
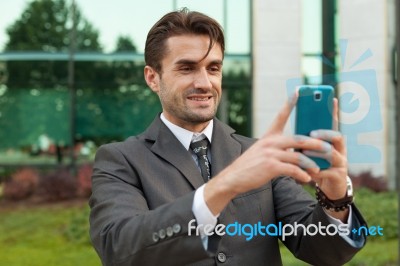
<point x="362" y="57"/>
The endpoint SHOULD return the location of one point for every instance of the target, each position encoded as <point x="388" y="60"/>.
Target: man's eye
<point x="215" y="69"/>
<point x="186" y="68"/>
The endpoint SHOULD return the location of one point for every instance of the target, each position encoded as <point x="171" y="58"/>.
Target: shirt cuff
<point x="206" y="221"/>
<point x="335" y="221"/>
<point x="348" y="225"/>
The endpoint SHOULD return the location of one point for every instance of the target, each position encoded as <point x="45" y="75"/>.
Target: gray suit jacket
<point x="142" y="199"/>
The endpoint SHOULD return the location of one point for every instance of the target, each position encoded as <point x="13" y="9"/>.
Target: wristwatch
<point x="339" y="204"/>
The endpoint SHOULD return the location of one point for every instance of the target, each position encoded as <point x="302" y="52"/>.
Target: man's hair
<point x="182" y="22"/>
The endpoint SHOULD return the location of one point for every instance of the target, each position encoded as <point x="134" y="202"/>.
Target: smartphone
<point x="314" y="110"/>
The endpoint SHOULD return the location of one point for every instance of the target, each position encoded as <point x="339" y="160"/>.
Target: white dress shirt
<point x="200" y="209"/>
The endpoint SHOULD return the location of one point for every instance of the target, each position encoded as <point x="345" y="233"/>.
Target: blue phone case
<point x="314" y="110"/>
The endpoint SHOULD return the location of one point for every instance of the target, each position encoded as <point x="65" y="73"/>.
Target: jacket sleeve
<point x="122" y="228"/>
<point x="294" y="205"/>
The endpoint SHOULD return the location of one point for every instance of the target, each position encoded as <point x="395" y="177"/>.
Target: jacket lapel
<point x="168" y="147"/>
<point x="224" y="148"/>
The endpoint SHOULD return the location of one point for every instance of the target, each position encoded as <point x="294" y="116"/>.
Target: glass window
<point x="57" y="107"/>
<point x="312" y="41"/>
<point x="319" y="42"/>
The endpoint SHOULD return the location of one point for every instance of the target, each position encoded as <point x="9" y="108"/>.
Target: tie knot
<point x="200" y="147"/>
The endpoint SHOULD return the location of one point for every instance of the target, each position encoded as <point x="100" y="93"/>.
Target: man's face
<point x="189" y="86"/>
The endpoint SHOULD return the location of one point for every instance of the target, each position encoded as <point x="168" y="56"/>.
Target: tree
<point x="122" y="105"/>
<point x="125" y="44"/>
<point x="45" y="25"/>
<point x="37" y="96"/>
<point x="126" y="72"/>
<point x="237" y="86"/>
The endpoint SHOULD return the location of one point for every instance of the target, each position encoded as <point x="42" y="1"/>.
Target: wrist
<point x="217" y="194"/>
<point x="336" y="205"/>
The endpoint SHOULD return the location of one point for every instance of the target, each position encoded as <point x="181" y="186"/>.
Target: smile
<point x="197" y="98"/>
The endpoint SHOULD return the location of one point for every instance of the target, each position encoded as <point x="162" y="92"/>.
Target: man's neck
<point x="197" y="127"/>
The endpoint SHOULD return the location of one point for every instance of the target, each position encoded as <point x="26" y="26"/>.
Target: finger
<point x="297" y="142"/>
<point x="323" y="155"/>
<point x="308" y="143"/>
<point x="297" y="158"/>
<point x="325" y="134"/>
<point x="279" y="123"/>
<point x="335" y="137"/>
<point x="335" y="121"/>
<point x="335" y="158"/>
<point x="293" y="171"/>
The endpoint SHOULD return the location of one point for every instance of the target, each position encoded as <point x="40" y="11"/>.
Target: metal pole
<point x="328" y="41"/>
<point x="250" y="102"/>
<point x="71" y="87"/>
<point x="224" y="104"/>
<point x="397" y="105"/>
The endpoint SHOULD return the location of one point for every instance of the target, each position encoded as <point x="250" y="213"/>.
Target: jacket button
<point x="221" y="257"/>
<point x="162" y="233"/>
<point x="176" y="228"/>
<point x="155" y="237"/>
<point x="170" y="232"/>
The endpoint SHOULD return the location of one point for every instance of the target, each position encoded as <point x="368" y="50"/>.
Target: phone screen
<point x="314" y="110"/>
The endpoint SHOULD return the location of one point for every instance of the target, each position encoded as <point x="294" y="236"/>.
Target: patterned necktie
<point x="200" y="149"/>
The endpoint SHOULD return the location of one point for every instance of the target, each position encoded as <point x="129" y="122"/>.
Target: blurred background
<point x="71" y="79"/>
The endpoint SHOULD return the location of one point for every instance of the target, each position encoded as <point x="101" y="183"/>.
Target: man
<point x="156" y="202"/>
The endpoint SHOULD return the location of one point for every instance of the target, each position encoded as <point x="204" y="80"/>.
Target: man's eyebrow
<point x="185" y="62"/>
<point x="216" y="62"/>
<point x="192" y="62"/>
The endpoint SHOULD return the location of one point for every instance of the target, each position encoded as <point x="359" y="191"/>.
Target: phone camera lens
<point x="317" y="96"/>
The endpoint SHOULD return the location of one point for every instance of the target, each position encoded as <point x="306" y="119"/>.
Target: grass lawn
<point x="45" y="235"/>
<point x="57" y="234"/>
<point x="375" y="253"/>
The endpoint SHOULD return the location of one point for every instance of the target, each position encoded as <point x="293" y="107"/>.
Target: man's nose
<point x="202" y="80"/>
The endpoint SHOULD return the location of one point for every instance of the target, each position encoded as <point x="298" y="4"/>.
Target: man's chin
<point x="201" y="117"/>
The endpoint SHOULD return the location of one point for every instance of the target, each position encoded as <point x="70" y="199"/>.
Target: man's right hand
<point x="271" y="156"/>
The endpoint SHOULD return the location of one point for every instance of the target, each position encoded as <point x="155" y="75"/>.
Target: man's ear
<point x="152" y="78"/>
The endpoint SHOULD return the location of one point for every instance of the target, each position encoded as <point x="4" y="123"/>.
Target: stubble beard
<point x="176" y="106"/>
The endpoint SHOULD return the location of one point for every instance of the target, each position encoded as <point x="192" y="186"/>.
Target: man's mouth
<point x="199" y="98"/>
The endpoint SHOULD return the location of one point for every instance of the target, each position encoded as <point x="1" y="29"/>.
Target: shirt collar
<point x="185" y="136"/>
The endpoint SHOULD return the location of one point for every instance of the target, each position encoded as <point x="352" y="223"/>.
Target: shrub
<point x="58" y="185"/>
<point x="367" y="180"/>
<point x="22" y="185"/>
<point x="6" y="173"/>
<point x="379" y="209"/>
<point x="84" y="176"/>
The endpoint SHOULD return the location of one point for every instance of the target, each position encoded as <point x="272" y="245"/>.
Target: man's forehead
<point x="191" y="41"/>
<point x="193" y="49"/>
